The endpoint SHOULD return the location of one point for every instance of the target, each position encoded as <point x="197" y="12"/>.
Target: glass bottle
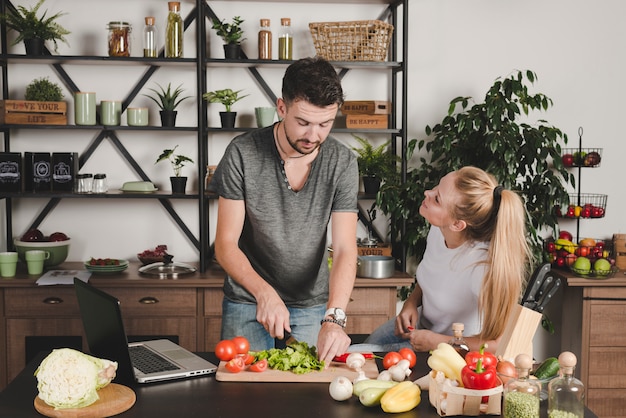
<point x="265" y="40"/>
<point x="285" y="40"/>
<point x="119" y="39"/>
<point x="174" y="31"/>
<point x="566" y="394"/>
<point x="457" y="341"/>
<point x="149" y="38"/>
<point x="521" y="395"/>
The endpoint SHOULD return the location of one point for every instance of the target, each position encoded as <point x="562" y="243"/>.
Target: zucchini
<point x="549" y="368"/>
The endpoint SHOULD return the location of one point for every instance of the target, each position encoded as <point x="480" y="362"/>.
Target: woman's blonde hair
<point x="497" y="216"/>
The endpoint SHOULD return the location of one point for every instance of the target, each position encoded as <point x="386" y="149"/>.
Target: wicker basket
<point x="362" y="40"/>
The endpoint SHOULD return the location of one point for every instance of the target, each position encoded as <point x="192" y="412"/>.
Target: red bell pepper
<point x="489" y="359"/>
<point x="479" y="377"/>
<point x="343" y="357"/>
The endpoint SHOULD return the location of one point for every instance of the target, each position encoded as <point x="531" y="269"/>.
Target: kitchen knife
<point x="541" y="305"/>
<point x="534" y="286"/>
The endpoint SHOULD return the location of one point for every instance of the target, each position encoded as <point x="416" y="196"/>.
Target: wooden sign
<point x="367" y="121"/>
<point x="366" y="107"/>
<point x="27" y="112"/>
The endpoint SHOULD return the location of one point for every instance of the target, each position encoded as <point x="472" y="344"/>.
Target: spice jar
<point x="100" y="183"/>
<point x="119" y="39"/>
<point x="84" y="183"/>
<point x="521" y="395"/>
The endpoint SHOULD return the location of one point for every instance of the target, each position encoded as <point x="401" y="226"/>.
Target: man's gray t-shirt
<point x="284" y="232"/>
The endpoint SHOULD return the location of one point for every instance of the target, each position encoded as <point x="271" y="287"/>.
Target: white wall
<point x="456" y="48"/>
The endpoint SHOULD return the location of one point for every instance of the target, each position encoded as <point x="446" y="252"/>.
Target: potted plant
<point x="375" y="163"/>
<point x="167" y="100"/>
<point x="178" y="162"/>
<point x="34" y="30"/>
<point x="227" y="97"/>
<point x="523" y="155"/>
<point x="43" y="90"/>
<point x="232" y="34"/>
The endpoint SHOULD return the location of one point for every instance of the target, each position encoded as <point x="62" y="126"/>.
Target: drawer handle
<point x="148" y="300"/>
<point x="53" y="300"/>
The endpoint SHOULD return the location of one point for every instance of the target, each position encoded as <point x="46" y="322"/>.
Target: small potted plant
<point x="227" y="97"/>
<point x="232" y="34"/>
<point x="34" y="30"/>
<point x="168" y="100"/>
<point x="375" y="163"/>
<point x="177" y="161"/>
<point x="43" y="90"/>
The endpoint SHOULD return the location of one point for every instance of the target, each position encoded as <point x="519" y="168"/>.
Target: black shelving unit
<point x="396" y="13"/>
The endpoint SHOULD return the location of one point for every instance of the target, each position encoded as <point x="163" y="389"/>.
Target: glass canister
<point x="285" y="40"/>
<point x="174" y="31"/>
<point x="119" y="39"/>
<point x="521" y="395"/>
<point x="100" y="183"/>
<point x="566" y="394"/>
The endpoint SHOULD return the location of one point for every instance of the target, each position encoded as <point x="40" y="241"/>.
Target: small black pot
<point x="179" y="184"/>
<point x="228" y="119"/>
<point x="34" y="46"/>
<point x="371" y="184"/>
<point x="232" y="51"/>
<point x="168" y="118"/>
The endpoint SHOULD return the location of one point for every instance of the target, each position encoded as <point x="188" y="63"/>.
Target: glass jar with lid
<point x="119" y="39"/>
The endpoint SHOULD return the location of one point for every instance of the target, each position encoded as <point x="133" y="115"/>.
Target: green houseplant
<point x="177" y="161"/>
<point x="231" y="34"/>
<point x="167" y="100"/>
<point x="226" y="97"/>
<point x="34" y="30"/>
<point x="376" y="164"/>
<point x="43" y="90"/>
<point x="523" y="156"/>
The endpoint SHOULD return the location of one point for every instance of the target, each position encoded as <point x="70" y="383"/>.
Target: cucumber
<point x="549" y="368"/>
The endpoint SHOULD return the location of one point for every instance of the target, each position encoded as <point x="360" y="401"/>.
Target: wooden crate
<point x="381" y="250"/>
<point x="619" y="250"/>
<point x="366" y="107"/>
<point x="25" y="112"/>
<point x="367" y="121"/>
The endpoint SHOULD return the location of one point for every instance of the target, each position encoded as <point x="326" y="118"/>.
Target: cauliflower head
<point x="68" y="378"/>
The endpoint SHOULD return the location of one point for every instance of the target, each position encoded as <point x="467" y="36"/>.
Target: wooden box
<point x="367" y="121"/>
<point x="518" y="333"/>
<point x="619" y="250"/>
<point x="381" y="249"/>
<point x="25" y="112"/>
<point x="366" y="107"/>
<point x="453" y="400"/>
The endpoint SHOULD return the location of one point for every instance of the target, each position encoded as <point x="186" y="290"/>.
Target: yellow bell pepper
<point x="401" y="398"/>
<point x="445" y="359"/>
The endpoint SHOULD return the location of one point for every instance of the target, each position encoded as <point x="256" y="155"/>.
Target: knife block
<point x="518" y="333"/>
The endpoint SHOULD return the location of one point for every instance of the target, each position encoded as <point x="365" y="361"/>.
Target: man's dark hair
<point x="314" y="80"/>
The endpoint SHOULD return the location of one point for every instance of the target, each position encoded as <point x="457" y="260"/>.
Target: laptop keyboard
<point x="149" y="362"/>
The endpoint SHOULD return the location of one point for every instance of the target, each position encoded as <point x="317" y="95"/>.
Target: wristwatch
<point x="336" y="316"/>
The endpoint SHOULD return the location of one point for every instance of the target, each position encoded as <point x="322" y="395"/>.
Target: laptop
<point x="143" y="362"/>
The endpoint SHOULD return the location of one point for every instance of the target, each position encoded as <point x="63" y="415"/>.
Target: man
<point x="278" y="189"/>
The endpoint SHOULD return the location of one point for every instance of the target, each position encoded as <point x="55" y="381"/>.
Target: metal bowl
<point x="375" y="266"/>
<point x="167" y="270"/>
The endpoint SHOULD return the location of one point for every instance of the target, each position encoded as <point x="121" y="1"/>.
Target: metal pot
<point x="375" y="266"/>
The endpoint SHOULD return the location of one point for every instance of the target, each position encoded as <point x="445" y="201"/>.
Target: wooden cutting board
<point x="114" y="399"/>
<point x="335" y="369"/>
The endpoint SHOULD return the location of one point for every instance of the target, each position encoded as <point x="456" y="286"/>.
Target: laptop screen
<point x="104" y="329"/>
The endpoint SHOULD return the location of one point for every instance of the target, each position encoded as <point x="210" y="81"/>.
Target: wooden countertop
<point x="617" y="280"/>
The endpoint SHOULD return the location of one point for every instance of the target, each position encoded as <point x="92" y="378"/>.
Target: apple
<point x="550" y="247"/>
<point x="568" y="160"/>
<point x="586" y="212"/>
<point x="582" y="265"/>
<point x="32" y="235"/>
<point x="560" y="261"/>
<point x="570" y="259"/>
<point x="565" y="235"/>
<point x="602" y="266"/>
<point x="587" y="242"/>
<point x="591" y="159"/>
<point x="58" y="236"/>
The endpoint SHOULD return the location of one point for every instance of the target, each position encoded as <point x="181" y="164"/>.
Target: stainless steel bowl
<point x="167" y="270"/>
<point x="375" y="266"/>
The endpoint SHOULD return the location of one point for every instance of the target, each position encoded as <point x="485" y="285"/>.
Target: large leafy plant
<point x="497" y="136"/>
<point x="374" y="161"/>
<point x="30" y="26"/>
<point x="167" y="99"/>
<point x="227" y="97"/>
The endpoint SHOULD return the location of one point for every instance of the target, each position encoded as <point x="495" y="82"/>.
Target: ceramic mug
<point x="8" y="264"/>
<point x="264" y="116"/>
<point x="35" y="259"/>
<point x="84" y="108"/>
<point x="110" y="112"/>
<point x="137" y="116"/>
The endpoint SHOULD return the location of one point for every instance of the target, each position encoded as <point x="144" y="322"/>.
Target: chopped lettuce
<point x="67" y="378"/>
<point x="297" y="357"/>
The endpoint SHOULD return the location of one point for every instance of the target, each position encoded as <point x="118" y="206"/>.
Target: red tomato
<point x="225" y="350"/>
<point x="409" y="355"/>
<point x="247" y="358"/>
<point x="259" y="366"/>
<point x="242" y="345"/>
<point x="391" y="358"/>
<point x="235" y="365"/>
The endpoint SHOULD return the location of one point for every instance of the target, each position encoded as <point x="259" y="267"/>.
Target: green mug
<point x="34" y="261"/>
<point x="8" y="264"/>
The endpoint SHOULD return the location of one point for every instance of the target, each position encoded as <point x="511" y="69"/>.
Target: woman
<point x="473" y="269"/>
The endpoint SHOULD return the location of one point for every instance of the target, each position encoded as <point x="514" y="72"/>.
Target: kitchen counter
<point x="37" y="318"/>
<point x="204" y="396"/>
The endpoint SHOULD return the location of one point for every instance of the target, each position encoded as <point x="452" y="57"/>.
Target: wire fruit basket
<point x="360" y="40"/>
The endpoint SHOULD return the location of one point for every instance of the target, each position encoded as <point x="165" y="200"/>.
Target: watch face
<point x="339" y="314"/>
